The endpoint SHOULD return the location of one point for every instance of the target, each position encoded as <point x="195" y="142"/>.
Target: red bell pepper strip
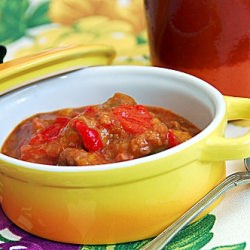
<point x="172" y="142"/>
<point x="51" y="132"/>
<point x="90" y="137"/>
<point x="134" y="119"/>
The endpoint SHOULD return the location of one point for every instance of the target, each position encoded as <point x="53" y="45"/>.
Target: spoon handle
<point x="231" y="181"/>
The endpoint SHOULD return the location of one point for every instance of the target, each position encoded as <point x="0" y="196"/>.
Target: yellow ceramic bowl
<point x="124" y="201"/>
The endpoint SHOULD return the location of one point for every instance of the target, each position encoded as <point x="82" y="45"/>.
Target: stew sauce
<point x="117" y="130"/>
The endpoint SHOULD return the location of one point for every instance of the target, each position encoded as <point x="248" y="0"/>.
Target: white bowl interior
<point x="181" y="93"/>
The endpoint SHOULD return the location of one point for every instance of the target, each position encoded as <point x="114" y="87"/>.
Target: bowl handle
<point x="25" y="70"/>
<point x="230" y="148"/>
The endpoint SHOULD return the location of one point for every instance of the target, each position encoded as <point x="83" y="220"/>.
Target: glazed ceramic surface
<point x="26" y="70"/>
<point x="124" y="201"/>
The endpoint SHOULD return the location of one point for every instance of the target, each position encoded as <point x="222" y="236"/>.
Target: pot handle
<point x="25" y="70"/>
<point x="230" y="148"/>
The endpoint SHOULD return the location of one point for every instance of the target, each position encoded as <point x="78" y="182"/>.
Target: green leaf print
<point x="141" y="40"/>
<point x="101" y="247"/>
<point x="4" y="239"/>
<point x="38" y="16"/>
<point x="136" y="245"/>
<point x="240" y="246"/>
<point x="192" y="237"/>
<point x="15" y="19"/>
<point x="12" y="24"/>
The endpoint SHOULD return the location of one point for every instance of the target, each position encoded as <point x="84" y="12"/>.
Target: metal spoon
<point x="233" y="180"/>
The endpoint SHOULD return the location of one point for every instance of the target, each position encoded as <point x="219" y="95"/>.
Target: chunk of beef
<point x="79" y="157"/>
<point x="118" y="99"/>
<point x="127" y="147"/>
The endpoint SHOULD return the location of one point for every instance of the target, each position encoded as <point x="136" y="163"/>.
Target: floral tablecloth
<point x="29" y="26"/>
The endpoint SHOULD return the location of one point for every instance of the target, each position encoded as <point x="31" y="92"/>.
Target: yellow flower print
<point x="51" y="37"/>
<point x="96" y="29"/>
<point x="68" y="12"/>
<point x="134" y="13"/>
<point x="102" y="24"/>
